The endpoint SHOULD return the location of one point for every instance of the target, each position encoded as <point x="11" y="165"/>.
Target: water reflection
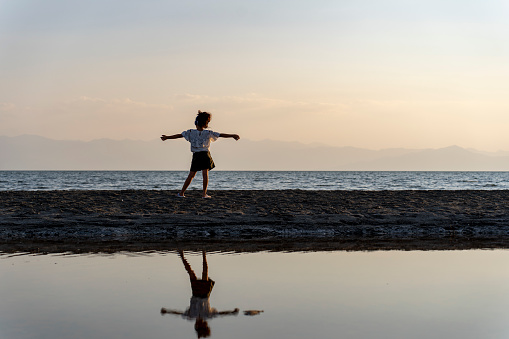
<point x="199" y="309"/>
<point x="355" y="295"/>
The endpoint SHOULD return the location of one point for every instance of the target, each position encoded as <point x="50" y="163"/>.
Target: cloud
<point x="86" y="118"/>
<point x="255" y="103"/>
<point x="7" y="107"/>
<point x="120" y="103"/>
<point x="346" y="122"/>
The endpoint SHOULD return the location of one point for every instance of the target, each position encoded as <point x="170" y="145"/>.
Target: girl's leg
<point x="205" y="270"/>
<point x="187" y="182"/>
<point x="189" y="270"/>
<point x="205" y="174"/>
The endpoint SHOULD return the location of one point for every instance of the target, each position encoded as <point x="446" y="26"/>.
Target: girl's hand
<point x="164" y="137"/>
<point x="236" y="137"/>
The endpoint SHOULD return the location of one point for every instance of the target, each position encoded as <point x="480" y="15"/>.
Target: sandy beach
<point x="253" y="220"/>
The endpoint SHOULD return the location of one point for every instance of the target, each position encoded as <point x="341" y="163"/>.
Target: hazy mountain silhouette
<point x="451" y="158"/>
<point x="37" y="153"/>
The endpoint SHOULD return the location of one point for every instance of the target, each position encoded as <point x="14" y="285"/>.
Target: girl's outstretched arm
<point x="165" y="310"/>
<point x="234" y="312"/>
<point x="174" y="136"/>
<point x="234" y="136"/>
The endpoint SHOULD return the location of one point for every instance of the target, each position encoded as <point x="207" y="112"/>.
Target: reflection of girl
<point x="199" y="307"/>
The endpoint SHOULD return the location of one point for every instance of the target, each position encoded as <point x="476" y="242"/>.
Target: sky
<point x="365" y="73"/>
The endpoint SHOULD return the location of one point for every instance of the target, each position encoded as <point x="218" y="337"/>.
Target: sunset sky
<point x="365" y="73"/>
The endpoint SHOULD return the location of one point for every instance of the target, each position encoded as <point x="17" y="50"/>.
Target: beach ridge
<point x="133" y="215"/>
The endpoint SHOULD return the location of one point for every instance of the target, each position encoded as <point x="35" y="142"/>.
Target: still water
<point x="392" y="294"/>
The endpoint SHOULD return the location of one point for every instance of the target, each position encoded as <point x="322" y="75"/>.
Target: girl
<point x="200" y="139"/>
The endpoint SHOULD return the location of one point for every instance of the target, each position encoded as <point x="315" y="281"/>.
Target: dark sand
<point x="99" y="221"/>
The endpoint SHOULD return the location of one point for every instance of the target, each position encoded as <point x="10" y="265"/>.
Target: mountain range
<point x="30" y="152"/>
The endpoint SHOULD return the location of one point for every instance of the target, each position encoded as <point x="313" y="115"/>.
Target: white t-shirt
<point x="200" y="140"/>
<point x="200" y="308"/>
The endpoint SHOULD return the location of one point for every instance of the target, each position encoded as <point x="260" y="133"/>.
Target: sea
<point x="253" y="180"/>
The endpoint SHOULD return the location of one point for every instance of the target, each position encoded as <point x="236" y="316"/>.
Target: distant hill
<point x="31" y="152"/>
<point x="451" y="158"/>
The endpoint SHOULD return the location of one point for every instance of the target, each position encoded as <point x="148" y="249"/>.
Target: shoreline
<point x="253" y="220"/>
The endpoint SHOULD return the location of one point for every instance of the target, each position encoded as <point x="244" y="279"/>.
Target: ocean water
<point x="253" y="180"/>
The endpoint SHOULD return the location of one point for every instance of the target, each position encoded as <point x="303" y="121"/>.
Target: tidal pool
<point x="392" y="294"/>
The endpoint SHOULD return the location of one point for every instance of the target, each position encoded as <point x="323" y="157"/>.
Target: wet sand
<point x="253" y="220"/>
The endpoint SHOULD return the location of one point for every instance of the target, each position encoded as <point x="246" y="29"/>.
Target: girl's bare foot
<point x="206" y="196"/>
<point x="180" y="195"/>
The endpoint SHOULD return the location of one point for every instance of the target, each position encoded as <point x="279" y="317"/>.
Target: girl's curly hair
<point x="202" y="118"/>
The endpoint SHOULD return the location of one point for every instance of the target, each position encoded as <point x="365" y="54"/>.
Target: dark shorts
<point x="202" y="161"/>
<point x="202" y="288"/>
